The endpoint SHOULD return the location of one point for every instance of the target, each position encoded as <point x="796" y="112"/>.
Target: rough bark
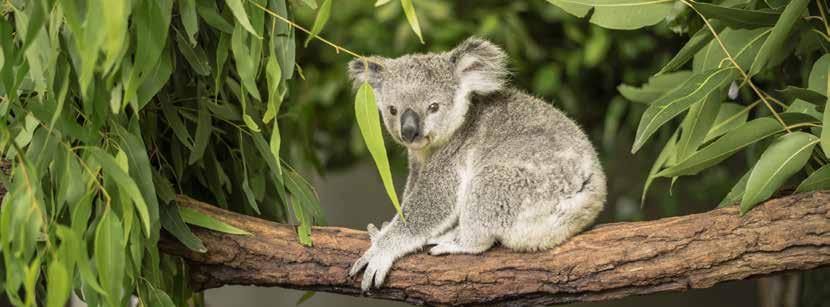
<point x="610" y="261"/>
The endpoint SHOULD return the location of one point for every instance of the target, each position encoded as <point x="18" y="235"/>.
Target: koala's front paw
<point x="377" y="265"/>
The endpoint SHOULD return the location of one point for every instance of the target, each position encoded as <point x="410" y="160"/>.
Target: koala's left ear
<point x="480" y="66"/>
<point x="368" y="69"/>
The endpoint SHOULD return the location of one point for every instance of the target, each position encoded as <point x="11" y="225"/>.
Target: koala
<point x="487" y="162"/>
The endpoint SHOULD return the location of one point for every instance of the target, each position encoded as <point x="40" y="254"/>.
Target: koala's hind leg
<point x="484" y="211"/>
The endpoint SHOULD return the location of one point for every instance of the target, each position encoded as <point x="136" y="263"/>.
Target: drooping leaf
<point x="675" y="102"/>
<point x="238" y="10"/>
<point x="204" y="125"/>
<point x="818" y="180"/>
<point x="736" y="193"/>
<point x="320" y="21"/>
<point x="619" y="14"/>
<point x="743" y="46"/>
<point x="696" y="124"/>
<point x="187" y="10"/>
<point x="732" y="142"/>
<point x="657" y="86"/>
<point x="110" y="256"/>
<point x="368" y="120"/>
<point x="779" y="161"/>
<point x="412" y="18"/>
<point x="197" y="218"/>
<point x="669" y="150"/>
<point x="125" y="183"/>
<point x="794" y="92"/>
<point x="778" y="36"/>
<point x="210" y="14"/>
<point x="173" y="223"/>
<point x="58" y="284"/>
<point x="695" y="43"/>
<point x="737" y="18"/>
<point x="730" y="116"/>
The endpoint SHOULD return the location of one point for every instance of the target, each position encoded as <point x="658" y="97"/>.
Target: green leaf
<point x="204" y="126"/>
<point x="818" y="180"/>
<point x="818" y="80"/>
<point x="657" y="86"/>
<point x="779" y="34"/>
<point x="110" y="256"/>
<point x="619" y="14"/>
<point x="377" y="4"/>
<point x="368" y="120"/>
<point x="781" y="160"/>
<point x="247" y="61"/>
<point x="412" y="18"/>
<point x="273" y="74"/>
<point x="58" y="284"/>
<point x="669" y="150"/>
<point x="282" y="40"/>
<point x="737" y="18"/>
<point x="238" y="10"/>
<point x="173" y="223"/>
<point x="698" y="122"/>
<point x="195" y="56"/>
<point x="311" y="3"/>
<point x="141" y="172"/>
<point x="208" y="11"/>
<point x="125" y="183"/>
<point x="736" y="193"/>
<point x="175" y="122"/>
<point x="154" y="297"/>
<point x="732" y="142"/>
<point x="187" y="10"/>
<point x="695" y="43"/>
<point x="825" y="133"/>
<point x="743" y="46"/>
<point x="320" y="21"/>
<point x="793" y="92"/>
<point x="197" y="218"/>
<point x="675" y="102"/>
<point x="730" y="116"/>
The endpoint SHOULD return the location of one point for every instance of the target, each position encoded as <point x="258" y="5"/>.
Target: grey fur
<point x="493" y="164"/>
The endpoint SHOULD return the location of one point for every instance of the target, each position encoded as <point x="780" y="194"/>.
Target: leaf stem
<point x="738" y="67"/>
<point x="337" y="48"/>
<point x="823" y="16"/>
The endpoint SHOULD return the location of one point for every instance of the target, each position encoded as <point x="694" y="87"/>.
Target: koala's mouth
<point x="419" y="143"/>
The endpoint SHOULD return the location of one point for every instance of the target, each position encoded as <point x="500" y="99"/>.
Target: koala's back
<point x="512" y="127"/>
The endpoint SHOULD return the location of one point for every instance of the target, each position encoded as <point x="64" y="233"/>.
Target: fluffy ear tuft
<point x="480" y="66"/>
<point x="368" y="69"/>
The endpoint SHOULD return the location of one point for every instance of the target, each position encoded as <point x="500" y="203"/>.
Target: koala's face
<point x="424" y="98"/>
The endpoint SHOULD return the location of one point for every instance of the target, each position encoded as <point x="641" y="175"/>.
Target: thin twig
<point x="823" y="16"/>
<point x="738" y="67"/>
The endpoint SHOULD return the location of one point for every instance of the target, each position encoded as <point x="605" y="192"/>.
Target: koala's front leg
<point x="425" y="215"/>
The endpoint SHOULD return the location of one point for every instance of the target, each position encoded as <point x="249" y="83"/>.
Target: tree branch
<point x="610" y="261"/>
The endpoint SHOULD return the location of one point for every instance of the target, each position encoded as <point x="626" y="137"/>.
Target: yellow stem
<point x="738" y="67"/>
<point x="823" y="16"/>
<point x="336" y="47"/>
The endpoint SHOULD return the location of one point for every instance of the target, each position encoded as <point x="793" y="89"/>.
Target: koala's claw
<point x="373" y="231"/>
<point x="377" y="267"/>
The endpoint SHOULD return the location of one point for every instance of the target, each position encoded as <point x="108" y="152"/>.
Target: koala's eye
<point x="433" y="108"/>
<point x="393" y="110"/>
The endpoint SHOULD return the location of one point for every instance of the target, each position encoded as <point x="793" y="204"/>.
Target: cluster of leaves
<point x="768" y="59"/>
<point x="111" y="108"/>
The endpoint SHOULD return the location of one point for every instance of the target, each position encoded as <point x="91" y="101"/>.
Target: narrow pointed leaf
<point x="674" y="103"/>
<point x="779" y="161"/>
<point x="125" y="183"/>
<point x="657" y="86"/>
<point x="736" y="193"/>
<point x="779" y="34"/>
<point x="737" y="18"/>
<point x="320" y="21"/>
<point x="238" y="10"/>
<point x="368" y="120"/>
<point x="619" y="14"/>
<point x="818" y="180"/>
<point x="197" y="218"/>
<point x="412" y="18"/>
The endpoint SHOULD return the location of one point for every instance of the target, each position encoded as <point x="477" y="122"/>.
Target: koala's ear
<point x="368" y="69"/>
<point x="480" y="66"/>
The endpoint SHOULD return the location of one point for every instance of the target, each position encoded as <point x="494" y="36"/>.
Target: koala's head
<point x="424" y="98"/>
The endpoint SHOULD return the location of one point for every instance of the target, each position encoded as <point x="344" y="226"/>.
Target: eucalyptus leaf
<point x="200" y="219"/>
<point x="779" y="161"/>
<point x="412" y="18"/>
<point x="619" y="14"/>
<point x="368" y="120"/>
<point x="320" y="21"/>
<point x="818" y="180"/>
<point x="779" y="34"/>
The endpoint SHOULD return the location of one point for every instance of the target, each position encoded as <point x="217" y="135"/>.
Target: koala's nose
<point x="410" y="126"/>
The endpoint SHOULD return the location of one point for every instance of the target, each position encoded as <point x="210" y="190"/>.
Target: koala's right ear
<point x="366" y="70"/>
